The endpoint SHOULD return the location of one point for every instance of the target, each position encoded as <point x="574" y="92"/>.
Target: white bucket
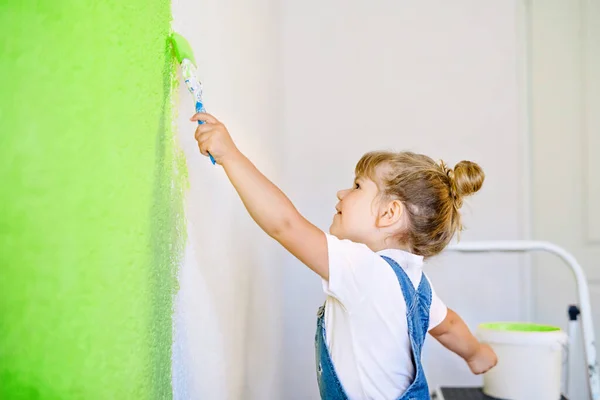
<point x="530" y="360"/>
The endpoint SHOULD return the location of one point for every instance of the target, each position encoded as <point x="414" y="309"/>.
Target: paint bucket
<point x="530" y="360"/>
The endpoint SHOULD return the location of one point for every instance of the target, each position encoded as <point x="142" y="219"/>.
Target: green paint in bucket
<point x="518" y="327"/>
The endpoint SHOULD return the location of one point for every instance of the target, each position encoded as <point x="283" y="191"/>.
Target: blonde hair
<point x="432" y="194"/>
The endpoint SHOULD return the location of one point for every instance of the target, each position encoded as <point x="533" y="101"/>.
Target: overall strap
<point x="408" y="290"/>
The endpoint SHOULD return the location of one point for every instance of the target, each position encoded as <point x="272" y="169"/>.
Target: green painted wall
<point x="90" y="222"/>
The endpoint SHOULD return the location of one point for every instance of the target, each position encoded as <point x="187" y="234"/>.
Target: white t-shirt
<point x="365" y="319"/>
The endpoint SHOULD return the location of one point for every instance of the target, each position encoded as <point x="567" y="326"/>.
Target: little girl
<point x="402" y="208"/>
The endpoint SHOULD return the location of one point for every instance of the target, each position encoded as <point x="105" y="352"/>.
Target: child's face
<point x="356" y="215"/>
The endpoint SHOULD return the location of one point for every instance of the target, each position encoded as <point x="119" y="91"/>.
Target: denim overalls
<point x="417" y="315"/>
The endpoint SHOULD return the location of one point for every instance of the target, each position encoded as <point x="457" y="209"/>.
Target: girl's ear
<point x="391" y="214"/>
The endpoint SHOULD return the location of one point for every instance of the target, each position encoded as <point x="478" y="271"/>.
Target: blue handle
<point x="200" y="109"/>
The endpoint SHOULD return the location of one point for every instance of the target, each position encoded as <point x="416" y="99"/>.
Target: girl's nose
<point x="341" y="194"/>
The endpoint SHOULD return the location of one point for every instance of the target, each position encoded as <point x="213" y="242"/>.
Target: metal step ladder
<point x="581" y="311"/>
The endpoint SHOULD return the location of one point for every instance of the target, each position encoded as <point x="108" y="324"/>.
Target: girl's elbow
<point x="281" y="228"/>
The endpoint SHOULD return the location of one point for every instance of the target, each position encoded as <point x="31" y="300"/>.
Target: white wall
<point x="227" y="329"/>
<point x="565" y="99"/>
<point x="437" y="77"/>
<point x="306" y="88"/>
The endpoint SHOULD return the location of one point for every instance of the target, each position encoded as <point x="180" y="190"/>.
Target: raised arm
<point x="266" y="203"/>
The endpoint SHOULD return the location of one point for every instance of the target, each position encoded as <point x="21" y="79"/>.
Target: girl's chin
<point x="333" y="231"/>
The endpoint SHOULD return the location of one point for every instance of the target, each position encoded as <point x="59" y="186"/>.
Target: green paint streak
<point x="91" y="186"/>
<point x="519" y="327"/>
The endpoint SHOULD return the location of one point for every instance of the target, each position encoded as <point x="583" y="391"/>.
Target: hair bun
<point x="468" y="178"/>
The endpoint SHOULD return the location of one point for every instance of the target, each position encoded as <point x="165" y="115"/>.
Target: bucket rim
<point x="552" y="336"/>
<point x="518" y="327"/>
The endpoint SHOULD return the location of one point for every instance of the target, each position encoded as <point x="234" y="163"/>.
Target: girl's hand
<point x="213" y="138"/>
<point x="483" y="360"/>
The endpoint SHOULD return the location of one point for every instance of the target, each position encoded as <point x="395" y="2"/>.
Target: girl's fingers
<point x="202" y="129"/>
<point x="203" y="149"/>
<point x="204" y="117"/>
<point x="203" y="143"/>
